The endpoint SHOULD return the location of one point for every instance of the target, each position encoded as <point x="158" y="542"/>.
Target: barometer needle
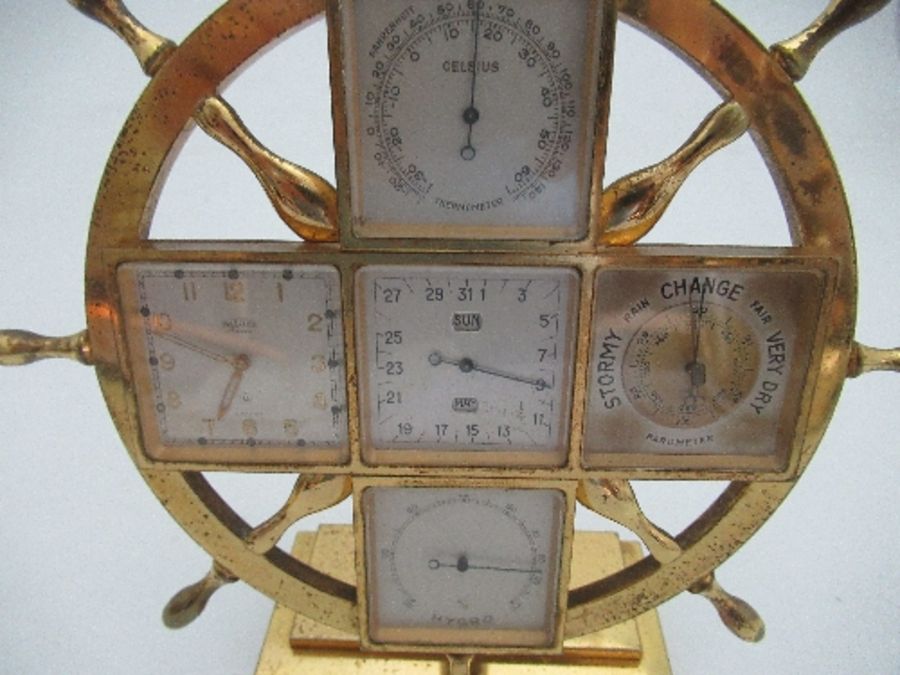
<point x="471" y="114"/>
<point x="696" y="370"/>
<point x="467" y="365"/>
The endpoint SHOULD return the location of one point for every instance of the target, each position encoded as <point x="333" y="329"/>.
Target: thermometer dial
<point x="475" y="116"/>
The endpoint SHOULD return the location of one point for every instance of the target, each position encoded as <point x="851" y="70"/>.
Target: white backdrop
<point x="88" y="555"/>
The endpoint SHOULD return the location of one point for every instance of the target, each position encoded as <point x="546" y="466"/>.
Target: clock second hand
<point x="462" y="565"/>
<point x="467" y="365"/>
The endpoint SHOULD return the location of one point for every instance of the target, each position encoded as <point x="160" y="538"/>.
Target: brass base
<point x="295" y="644"/>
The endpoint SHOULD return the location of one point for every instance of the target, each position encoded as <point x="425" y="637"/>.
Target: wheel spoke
<point x="305" y="201"/>
<point x="310" y="494"/>
<point x="630" y="207"/>
<point x="796" y="54"/>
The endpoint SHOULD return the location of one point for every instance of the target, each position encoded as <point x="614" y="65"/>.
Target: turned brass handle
<point x="189" y="603"/>
<point x="796" y="54"/>
<point x="22" y="347"/>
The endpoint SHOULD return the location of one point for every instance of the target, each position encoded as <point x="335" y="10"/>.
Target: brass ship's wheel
<point x="684" y="362"/>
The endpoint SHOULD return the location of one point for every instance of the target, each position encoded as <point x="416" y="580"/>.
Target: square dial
<point x="463" y="566"/>
<point x="469" y="364"/>
<point x="472" y="119"/>
<point x="237" y="363"/>
<point x="699" y="368"/>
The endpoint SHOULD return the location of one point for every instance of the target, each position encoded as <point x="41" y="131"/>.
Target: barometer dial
<point x="467" y="566"/>
<point x="699" y="368"/>
<point x="237" y="362"/>
<point x="473" y="363"/>
<point x="474" y="116"/>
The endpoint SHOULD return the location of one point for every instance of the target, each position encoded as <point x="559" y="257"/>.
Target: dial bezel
<point x="436" y="640"/>
<point x="236" y="279"/>
<point x="457" y="236"/>
<point x="458" y="454"/>
<point x="762" y="431"/>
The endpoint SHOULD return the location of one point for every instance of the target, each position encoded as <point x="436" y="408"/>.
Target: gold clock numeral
<point x="314" y="323"/>
<point x="320" y="401"/>
<point x="235" y="291"/>
<point x="189" y="288"/>
<point x="173" y="400"/>
<point x="318" y="363"/>
<point x="160" y="323"/>
<point x="167" y="361"/>
<point x="291" y="428"/>
<point x="250" y="428"/>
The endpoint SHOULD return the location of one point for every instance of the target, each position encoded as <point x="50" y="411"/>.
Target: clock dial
<point x="699" y="367"/>
<point x="474" y="362"/>
<point x="463" y="565"/>
<point x="477" y="117"/>
<point x="237" y="362"/>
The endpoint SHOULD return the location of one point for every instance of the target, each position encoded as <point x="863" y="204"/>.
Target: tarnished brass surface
<point x="311" y="493"/>
<point x="614" y="499"/>
<point x="737" y="614"/>
<point x="305" y="201"/>
<point x="865" y="359"/>
<point x="702" y="33"/>
<point x="150" y="49"/>
<point x="188" y="603"/>
<point x="22" y="347"/>
<point x="631" y="206"/>
<point x="796" y="54"/>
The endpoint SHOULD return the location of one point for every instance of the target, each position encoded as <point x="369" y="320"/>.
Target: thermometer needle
<point x="471" y="114"/>
<point x="467" y="365"/>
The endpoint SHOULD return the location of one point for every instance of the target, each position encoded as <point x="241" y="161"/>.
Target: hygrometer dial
<point x="476" y="117"/>
<point x="472" y="364"/>
<point x="237" y="362"/>
<point x="467" y="566"/>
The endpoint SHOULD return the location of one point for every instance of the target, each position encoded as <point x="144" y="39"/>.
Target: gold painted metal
<point x="150" y="49"/>
<point x="804" y="175"/>
<point x="740" y="618"/>
<point x="296" y="645"/>
<point x="22" y="347"/>
<point x="796" y="54"/>
<point x="311" y="493"/>
<point x="188" y="603"/>
<point x="305" y="201"/>
<point x="865" y="359"/>
<point x="632" y="205"/>
<point x="615" y="499"/>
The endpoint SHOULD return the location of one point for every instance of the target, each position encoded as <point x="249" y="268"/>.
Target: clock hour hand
<point x="467" y="365"/>
<point x="240" y="364"/>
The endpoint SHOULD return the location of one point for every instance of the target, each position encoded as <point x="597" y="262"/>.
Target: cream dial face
<point x="471" y="364"/>
<point x="463" y="565"/>
<point x="699" y="368"/>
<point x="471" y="118"/>
<point x="237" y="362"/>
